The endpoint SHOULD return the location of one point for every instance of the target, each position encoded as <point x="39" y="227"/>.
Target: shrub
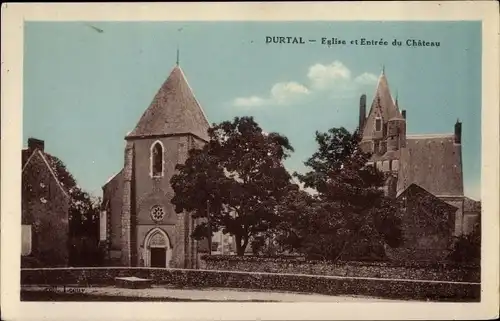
<point x="467" y="248"/>
<point x="398" y="289"/>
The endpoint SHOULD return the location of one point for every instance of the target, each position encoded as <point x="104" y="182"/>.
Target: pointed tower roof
<point x="382" y="106"/>
<point x="174" y="110"/>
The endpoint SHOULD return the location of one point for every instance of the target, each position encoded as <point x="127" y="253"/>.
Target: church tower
<point x="144" y="229"/>
<point x="383" y="132"/>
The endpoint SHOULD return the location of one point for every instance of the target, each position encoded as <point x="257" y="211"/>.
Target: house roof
<point x="28" y="155"/>
<point x="383" y="105"/>
<point x="174" y="110"/>
<point x="433" y="163"/>
<point x="414" y="190"/>
<point x="113" y="177"/>
<point x="471" y="205"/>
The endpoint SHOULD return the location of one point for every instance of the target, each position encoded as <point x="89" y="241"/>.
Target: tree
<point x="234" y="182"/>
<point x="467" y="248"/>
<point x="83" y="217"/>
<point x="84" y="229"/>
<point x="349" y="213"/>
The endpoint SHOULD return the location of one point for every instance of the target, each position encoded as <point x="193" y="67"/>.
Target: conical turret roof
<point x="383" y="106"/>
<point x="174" y="110"/>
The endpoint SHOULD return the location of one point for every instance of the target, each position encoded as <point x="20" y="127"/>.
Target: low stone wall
<point x="179" y="278"/>
<point x="390" y="270"/>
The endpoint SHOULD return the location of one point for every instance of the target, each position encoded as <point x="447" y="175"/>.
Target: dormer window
<point x="378" y="124"/>
<point x="157" y="159"/>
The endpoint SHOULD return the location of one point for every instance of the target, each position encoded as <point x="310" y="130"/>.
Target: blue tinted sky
<point x="84" y="90"/>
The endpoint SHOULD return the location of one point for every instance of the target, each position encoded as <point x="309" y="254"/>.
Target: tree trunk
<point x="349" y="241"/>
<point x="240" y="248"/>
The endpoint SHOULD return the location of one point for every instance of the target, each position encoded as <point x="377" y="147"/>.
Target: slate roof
<point x="27" y="155"/>
<point x="433" y="162"/>
<point x="383" y="105"/>
<point x="416" y="191"/>
<point x="471" y="205"/>
<point x="174" y="110"/>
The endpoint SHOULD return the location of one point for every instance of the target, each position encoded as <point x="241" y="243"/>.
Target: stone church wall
<point x="114" y="190"/>
<point x="151" y="191"/>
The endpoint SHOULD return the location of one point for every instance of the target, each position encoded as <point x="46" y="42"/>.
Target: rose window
<point x="157" y="213"/>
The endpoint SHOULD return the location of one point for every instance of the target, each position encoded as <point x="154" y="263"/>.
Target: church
<point x="424" y="172"/>
<point x="139" y="226"/>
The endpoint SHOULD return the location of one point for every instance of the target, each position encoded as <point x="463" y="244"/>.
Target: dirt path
<point x="197" y="294"/>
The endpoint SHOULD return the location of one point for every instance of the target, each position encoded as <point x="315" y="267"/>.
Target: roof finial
<point x="177" y="61"/>
<point x="397" y="95"/>
<point x="383" y="69"/>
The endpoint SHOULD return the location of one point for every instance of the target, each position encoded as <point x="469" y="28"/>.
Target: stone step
<point x="132" y="282"/>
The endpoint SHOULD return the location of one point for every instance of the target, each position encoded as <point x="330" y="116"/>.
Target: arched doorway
<point x="158" y="250"/>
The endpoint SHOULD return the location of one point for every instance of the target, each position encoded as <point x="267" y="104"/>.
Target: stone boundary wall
<point x="389" y="270"/>
<point x="329" y="285"/>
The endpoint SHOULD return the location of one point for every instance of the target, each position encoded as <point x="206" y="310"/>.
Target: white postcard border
<point x="13" y="16"/>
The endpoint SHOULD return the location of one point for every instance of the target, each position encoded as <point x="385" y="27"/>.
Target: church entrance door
<point x="158" y="257"/>
<point x="157" y="249"/>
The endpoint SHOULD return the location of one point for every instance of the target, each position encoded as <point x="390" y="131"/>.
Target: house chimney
<point x="362" y="112"/>
<point x="34" y="143"/>
<point x="458" y="132"/>
<point x="403" y="112"/>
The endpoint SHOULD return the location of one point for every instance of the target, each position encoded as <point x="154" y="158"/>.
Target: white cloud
<point x="366" y="79"/>
<point x="325" y="76"/>
<point x="252" y="101"/>
<point x="281" y="93"/>
<point x="334" y="78"/>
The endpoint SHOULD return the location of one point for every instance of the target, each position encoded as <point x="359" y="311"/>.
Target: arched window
<point x="157" y="160"/>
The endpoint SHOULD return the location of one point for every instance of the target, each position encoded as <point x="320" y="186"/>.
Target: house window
<point x="157" y="159"/>
<point x="26" y="240"/>
<point x="378" y="124"/>
<point x="376" y="147"/>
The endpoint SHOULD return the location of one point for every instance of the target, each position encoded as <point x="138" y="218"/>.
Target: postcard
<point x="250" y="161"/>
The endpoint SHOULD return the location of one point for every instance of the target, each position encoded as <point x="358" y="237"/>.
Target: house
<point x="422" y="171"/>
<point x="45" y="205"/>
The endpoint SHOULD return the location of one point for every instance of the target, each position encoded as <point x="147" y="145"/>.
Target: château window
<point x="378" y="124"/>
<point x="157" y="160"/>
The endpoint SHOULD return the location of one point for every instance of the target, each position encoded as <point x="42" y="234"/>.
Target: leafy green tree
<point x="83" y="218"/>
<point x="467" y="248"/>
<point x="349" y="211"/>
<point x="235" y="182"/>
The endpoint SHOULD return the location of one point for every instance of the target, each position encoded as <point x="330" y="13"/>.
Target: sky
<point x="86" y="88"/>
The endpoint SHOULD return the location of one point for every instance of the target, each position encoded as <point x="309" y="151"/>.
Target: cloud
<point x="366" y="79"/>
<point x="325" y="76"/>
<point x="281" y="93"/>
<point x="334" y="78"/>
<point x="252" y="101"/>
